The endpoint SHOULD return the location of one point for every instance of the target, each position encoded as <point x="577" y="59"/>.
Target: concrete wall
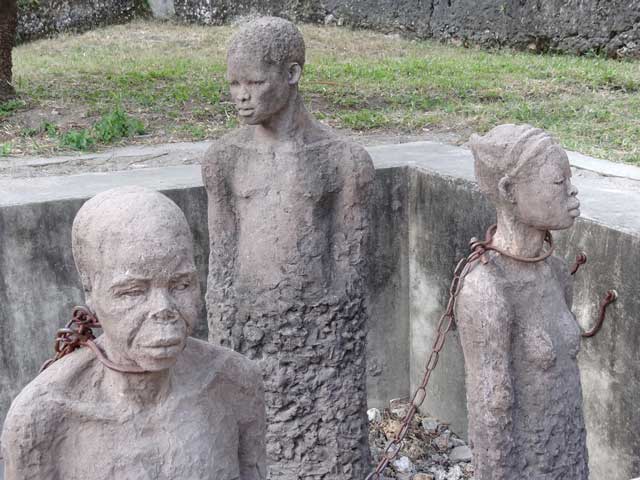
<point x="426" y="209"/>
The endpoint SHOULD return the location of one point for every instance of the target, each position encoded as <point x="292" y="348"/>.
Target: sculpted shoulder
<point x="483" y="281"/>
<point x="36" y="412"/>
<point x="220" y="364"/>
<point x="223" y="152"/>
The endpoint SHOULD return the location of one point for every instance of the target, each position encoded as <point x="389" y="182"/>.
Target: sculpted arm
<point x="485" y="321"/>
<point x="216" y="174"/>
<point x="354" y="212"/>
<point x="252" y="430"/>
<point x="27" y="441"/>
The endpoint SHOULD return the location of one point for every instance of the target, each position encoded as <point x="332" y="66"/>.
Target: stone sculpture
<point x="519" y="337"/>
<point x="289" y="225"/>
<point x="195" y="412"/>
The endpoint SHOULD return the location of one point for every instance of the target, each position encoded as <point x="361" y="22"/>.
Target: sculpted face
<point x="147" y="298"/>
<point x="259" y="90"/>
<point x="547" y="199"/>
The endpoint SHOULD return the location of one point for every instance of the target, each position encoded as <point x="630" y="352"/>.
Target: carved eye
<point x="181" y="286"/>
<point x="133" y="292"/>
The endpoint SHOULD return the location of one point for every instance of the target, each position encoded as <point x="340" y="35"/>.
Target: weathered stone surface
<point x="172" y="406"/>
<point x="575" y="26"/>
<point x="289" y="228"/>
<point x="519" y="336"/>
<point x="48" y="17"/>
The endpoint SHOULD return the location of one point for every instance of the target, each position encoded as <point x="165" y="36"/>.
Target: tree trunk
<point x="8" y="24"/>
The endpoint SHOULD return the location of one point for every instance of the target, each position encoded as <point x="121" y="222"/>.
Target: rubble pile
<point x="430" y="450"/>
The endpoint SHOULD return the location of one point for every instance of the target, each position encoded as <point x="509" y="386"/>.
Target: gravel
<point x="430" y="451"/>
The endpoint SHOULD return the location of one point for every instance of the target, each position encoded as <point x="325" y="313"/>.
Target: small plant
<point x="50" y="129"/>
<point x="116" y="125"/>
<point x="77" y="139"/>
<point x="5" y="149"/>
<point x="29" y="132"/>
<point x="7" y="108"/>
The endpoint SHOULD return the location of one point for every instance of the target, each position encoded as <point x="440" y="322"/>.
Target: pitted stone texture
<point x="289" y="225"/>
<point x="519" y="336"/>
<point x="293" y="297"/>
<point x="177" y="418"/>
<point x="43" y="18"/>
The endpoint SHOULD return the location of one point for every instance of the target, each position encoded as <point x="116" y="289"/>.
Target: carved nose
<point x="243" y="94"/>
<point x="163" y="308"/>
<point x="573" y="190"/>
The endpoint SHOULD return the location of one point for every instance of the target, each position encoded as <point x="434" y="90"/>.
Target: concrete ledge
<point x="427" y="208"/>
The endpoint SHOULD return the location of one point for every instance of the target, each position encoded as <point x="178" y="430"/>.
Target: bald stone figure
<point x="196" y="412"/>
<point x="289" y="225"/>
<point x="519" y="337"/>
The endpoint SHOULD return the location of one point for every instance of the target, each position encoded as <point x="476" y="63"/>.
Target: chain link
<point x="79" y="333"/>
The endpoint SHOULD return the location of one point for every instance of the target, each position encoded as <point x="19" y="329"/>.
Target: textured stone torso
<point x="545" y="431"/>
<point x="283" y="203"/>
<point x="66" y="425"/>
<point x="293" y="296"/>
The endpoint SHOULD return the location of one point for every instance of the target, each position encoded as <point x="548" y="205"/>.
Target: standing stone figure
<point x="519" y="337"/>
<point x="193" y="411"/>
<point x="288" y="223"/>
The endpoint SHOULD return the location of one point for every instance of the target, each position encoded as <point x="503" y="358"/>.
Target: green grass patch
<point x="172" y="76"/>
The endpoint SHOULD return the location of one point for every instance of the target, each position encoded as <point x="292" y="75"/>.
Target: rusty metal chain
<point x="610" y="297"/>
<point x="445" y="325"/>
<point x="79" y="333"/>
<point x="581" y="259"/>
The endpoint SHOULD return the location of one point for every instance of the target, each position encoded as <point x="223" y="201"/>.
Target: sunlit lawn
<point x="171" y="77"/>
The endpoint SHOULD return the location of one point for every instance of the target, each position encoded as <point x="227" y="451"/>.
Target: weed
<point x="5" y="149"/>
<point x="117" y="125"/>
<point x="9" y="107"/>
<point x="77" y="139"/>
<point x="50" y="129"/>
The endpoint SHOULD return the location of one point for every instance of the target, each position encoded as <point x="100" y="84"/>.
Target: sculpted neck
<point x="135" y="388"/>
<point x="517" y="238"/>
<point x="288" y="125"/>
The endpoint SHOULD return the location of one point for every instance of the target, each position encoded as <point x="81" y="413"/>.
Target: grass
<point x="170" y="78"/>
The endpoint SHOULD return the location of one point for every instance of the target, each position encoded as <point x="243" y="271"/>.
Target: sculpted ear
<point x="294" y="73"/>
<point x="506" y="190"/>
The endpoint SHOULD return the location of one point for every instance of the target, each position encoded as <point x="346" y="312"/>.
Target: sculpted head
<point x="526" y="174"/>
<point x="134" y="252"/>
<point x="265" y="59"/>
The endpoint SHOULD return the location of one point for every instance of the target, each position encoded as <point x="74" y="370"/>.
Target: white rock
<point x="398" y="407"/>
<point x="456" y="442"/>
<point x="374" y="415"/>
<point x="430" y="425"/>
<point x="461" y="454"/>
<point x="454" y="473"/>
<point x="403" y="465"/>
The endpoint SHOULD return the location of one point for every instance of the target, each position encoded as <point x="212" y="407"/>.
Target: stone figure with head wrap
<point x="519" y="337"/>
<point x="289" y="222"/>
<point x="169" y="406"/>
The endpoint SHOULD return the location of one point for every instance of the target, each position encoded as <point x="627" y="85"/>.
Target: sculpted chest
<point x="180" y="441"/>
<point x="281" y="177"/>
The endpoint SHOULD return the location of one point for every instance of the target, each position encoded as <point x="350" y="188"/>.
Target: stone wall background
<point x="41" y="18"/>
<point x="610" y="27"/>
